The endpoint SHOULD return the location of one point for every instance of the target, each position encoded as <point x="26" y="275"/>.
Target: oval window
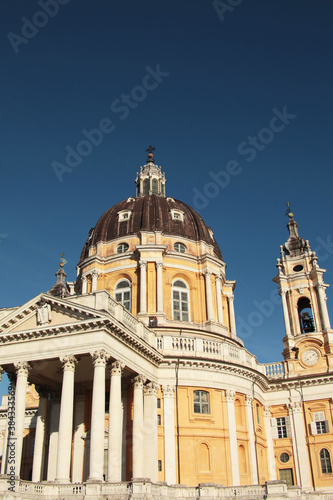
<point x="298" y="268"/>
<point x="284" y="458"/>
<point x="122" y="248"/>
<point x="179" y="247"/>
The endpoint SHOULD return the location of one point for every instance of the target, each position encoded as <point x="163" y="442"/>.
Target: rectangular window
<point x="158" y="403"/>
<point x="159" y="420"/>
<point x="160" y="466"/>
<point x="319" y="424"/>
<point x="201" y="402"/>
<point x="281" y="427"/>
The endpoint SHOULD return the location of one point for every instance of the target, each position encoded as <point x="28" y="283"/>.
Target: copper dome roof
<point x="150" y="213"/>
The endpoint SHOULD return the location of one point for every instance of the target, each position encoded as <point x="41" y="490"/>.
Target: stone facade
<point x="133" y="383"/>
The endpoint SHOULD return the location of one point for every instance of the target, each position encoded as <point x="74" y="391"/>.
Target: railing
<point x="144" y="488"/>
<point x="129" y="320"/>
<point x="211" y="347"/>
<point x="242" y="491"/>
<point x="183" y="344"/>
<point x="275" y="370"/>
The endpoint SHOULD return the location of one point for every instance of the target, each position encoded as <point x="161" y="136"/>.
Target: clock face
<point x="310" y="357"/>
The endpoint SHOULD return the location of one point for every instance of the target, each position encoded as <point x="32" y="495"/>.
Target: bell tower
<point x="308" y="343"/>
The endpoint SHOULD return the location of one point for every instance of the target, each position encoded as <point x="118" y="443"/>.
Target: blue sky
<point x="202" y="84"/>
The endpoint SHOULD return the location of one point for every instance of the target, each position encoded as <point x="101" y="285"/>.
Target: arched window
<point x="179" y="247"/>
<point x="325" y="461"/>
<point x="305" y="315"/>
<point x="155" y="186"/>
<point x="242" y="459"/>
<point x="146" y="186"/>
<point x="180" y="301"/>
<point x="122" y="293"/>
<point x="204" y="459"/>
<point x="122" y="247"/>
<point x="201" y="402"/>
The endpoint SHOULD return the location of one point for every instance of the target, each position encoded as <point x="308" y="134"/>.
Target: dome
<point x="150" y="213"/>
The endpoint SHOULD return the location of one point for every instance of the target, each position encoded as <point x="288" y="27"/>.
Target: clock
<point x="310" y="357"/>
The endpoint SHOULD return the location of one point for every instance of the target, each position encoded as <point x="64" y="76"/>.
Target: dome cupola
<point x="156" y="256"/>
<point x="150" y="180"/>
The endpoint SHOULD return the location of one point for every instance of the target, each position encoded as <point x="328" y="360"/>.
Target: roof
<point x="150" y="213"/>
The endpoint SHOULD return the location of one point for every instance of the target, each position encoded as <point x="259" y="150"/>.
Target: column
<point x="53" y="441"/>
<point x="97" y="417"/>
<point x="138" y="443"/>
<point x="218" y="281"/>
<point x="230" y="399"/>
<point x="323" y="307"/>
<point x="285" y="312"/>
<point x="124" y="402"/>
<point x="169" y="434"/>
<point x="79" y="431"/>
<point x="150" y="431"/>
<point x="252" y="444"/>
<point x="66" y="419"/>
<point x="38" y="458"/>
<point x="143" y="286"/>
<point x="84" y="284"/>
<point x="115" y="423"/>
<point x="10" y="421"/>
<point x="232" y="316"/>
<point x="299" y="444"/>
<point x="22" y="370"/>
<point x="4" y="449"/>
<point x="94" y="278"/>
<point x="159" y="286"/>
<point x="270" y="446"/>
<point x="209" y="300"/>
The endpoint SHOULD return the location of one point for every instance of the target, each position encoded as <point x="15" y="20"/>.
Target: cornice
<point x="221" y="366"/>
<point x="296" y="382"/>
<point x="112" y="326"/>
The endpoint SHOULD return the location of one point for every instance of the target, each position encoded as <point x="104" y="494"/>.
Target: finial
<point x="150" y="154"/>
<point x="62" y="260"/>
<point x="288" y="211"/>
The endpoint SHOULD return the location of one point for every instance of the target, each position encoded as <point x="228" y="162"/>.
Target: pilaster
<point x="252" y="445"/>
<point x="270" y="446"/>
<point x="138" y="433"/>
<point x="150" y="430"/>
<point x="169" y="434"/>
<point x="230" y="400"/>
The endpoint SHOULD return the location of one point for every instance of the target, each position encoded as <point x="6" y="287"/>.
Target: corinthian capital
<point x="22" y="368"/>
<point x="138" y="381"/>
<point x="117" y="367"/>
<point x="230" y="395"/>
<point x="151" y="388"/>
<point x="248" y="399"/>
<point x="168" y="390"/>
<point x="143" y="264"/>
<point x="99" y="358"/>
<point x="68" y="362"/>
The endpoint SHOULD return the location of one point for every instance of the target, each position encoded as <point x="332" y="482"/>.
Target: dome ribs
<point x="150" y="213"/>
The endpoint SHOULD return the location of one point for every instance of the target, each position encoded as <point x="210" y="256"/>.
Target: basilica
<point x="132" y="383"/>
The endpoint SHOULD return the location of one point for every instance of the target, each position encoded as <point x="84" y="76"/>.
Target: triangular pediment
<point x="46" y="311"/>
